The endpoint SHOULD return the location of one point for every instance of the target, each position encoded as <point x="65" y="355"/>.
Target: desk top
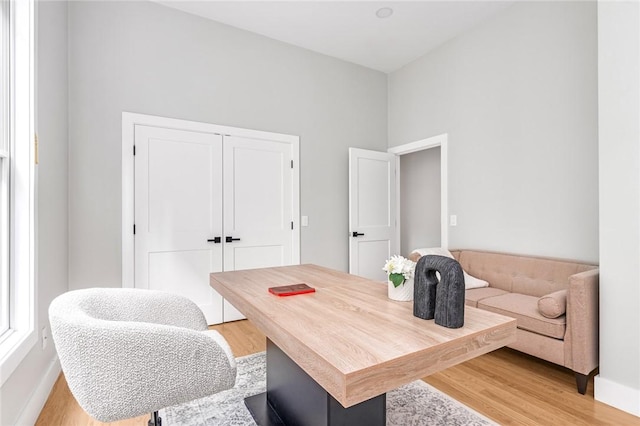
<point x="353" y="340"/>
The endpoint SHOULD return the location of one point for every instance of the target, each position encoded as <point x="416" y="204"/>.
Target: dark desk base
<point x="261" y="411"/>
<point x="294" y="398"/>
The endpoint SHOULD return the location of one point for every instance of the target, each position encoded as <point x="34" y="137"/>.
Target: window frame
<point x="4" y="167"/>
<point x="21" y="335"/>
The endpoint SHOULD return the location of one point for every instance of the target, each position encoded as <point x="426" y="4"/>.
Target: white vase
<point x="402" y="293"/>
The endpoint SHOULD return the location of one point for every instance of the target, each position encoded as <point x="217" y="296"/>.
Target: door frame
<point x="428" y="143"/>
<point x="130" y="120"/>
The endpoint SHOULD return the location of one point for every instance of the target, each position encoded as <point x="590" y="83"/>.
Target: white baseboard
<point x="33" y="407"/>
<point x="617" y="395"/>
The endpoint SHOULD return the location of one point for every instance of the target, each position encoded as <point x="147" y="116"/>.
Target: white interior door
<point x="258" y="210"/>
<point x="178" y="214"/>
<point x="372" y="212"/>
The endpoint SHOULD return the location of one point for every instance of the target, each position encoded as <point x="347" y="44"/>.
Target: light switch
<point x="304" y="220"/>
<point x="453" y="220"/>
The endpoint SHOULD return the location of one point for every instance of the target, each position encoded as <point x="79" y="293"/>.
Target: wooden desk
<point x="349" y="337"/>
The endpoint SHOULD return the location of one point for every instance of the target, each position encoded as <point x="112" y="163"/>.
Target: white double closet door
<point x="206" y="202"/>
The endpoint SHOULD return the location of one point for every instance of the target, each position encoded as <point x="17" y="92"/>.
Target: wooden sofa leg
<point x="581" y="381"/>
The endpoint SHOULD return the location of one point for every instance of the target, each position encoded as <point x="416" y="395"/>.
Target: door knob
<point x="356" y="234"/>
<point x="215" y="240"/>
<point x="230" y="239"/>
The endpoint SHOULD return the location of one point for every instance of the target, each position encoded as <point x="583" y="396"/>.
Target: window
<point x="17" y="213"/>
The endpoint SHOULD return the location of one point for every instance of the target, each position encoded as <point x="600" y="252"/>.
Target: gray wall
<point x="420" y="200"/>
<point x="143" y="57"/>
<point x="518" y="97"/>
<point x="619" y="109"/>
<point x="21" y="391"/>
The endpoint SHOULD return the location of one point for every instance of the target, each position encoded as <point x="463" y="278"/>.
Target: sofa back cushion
<point x="534" y="276"/>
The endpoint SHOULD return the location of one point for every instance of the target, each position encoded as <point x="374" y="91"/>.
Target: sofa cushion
<point x="553" y="305"/>
<point x="524" y="308"/>
<point x="534" y="276"/>
<point x="473" y="295"/>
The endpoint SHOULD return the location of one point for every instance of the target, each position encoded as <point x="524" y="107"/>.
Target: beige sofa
<point x="537" y="292"/>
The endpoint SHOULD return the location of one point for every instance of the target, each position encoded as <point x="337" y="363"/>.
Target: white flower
<point x="408" y="269"/>
<point x="400" y="265"/>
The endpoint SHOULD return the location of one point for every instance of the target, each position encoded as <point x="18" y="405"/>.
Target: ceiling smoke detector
<point x="384" y="12"/>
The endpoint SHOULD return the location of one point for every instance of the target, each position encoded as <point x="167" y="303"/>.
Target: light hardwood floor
<point x="509" y="387"/>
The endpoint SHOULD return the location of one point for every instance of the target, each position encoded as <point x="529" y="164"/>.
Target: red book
<point x="290" y="290"/>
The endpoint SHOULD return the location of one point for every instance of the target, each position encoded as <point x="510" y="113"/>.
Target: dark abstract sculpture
<point x="444" y="299"/>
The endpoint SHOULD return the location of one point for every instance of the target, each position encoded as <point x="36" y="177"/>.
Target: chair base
<point x="155" y="420"/>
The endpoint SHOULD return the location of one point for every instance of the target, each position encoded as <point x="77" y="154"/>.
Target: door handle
<point x="230" y="239"/>
<point x="215" y="240"/>
<point x="356" y="234"/>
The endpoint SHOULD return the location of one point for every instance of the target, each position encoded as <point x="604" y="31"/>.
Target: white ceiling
<point x="350" y="30"/>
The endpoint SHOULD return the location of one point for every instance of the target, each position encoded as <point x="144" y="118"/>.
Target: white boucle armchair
<point x="127" y="352"/>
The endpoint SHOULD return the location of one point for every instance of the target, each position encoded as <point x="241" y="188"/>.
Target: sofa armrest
<point x="583" y="321"/>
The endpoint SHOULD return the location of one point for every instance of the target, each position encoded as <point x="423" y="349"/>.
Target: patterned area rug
<point x="415" y="404"/>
